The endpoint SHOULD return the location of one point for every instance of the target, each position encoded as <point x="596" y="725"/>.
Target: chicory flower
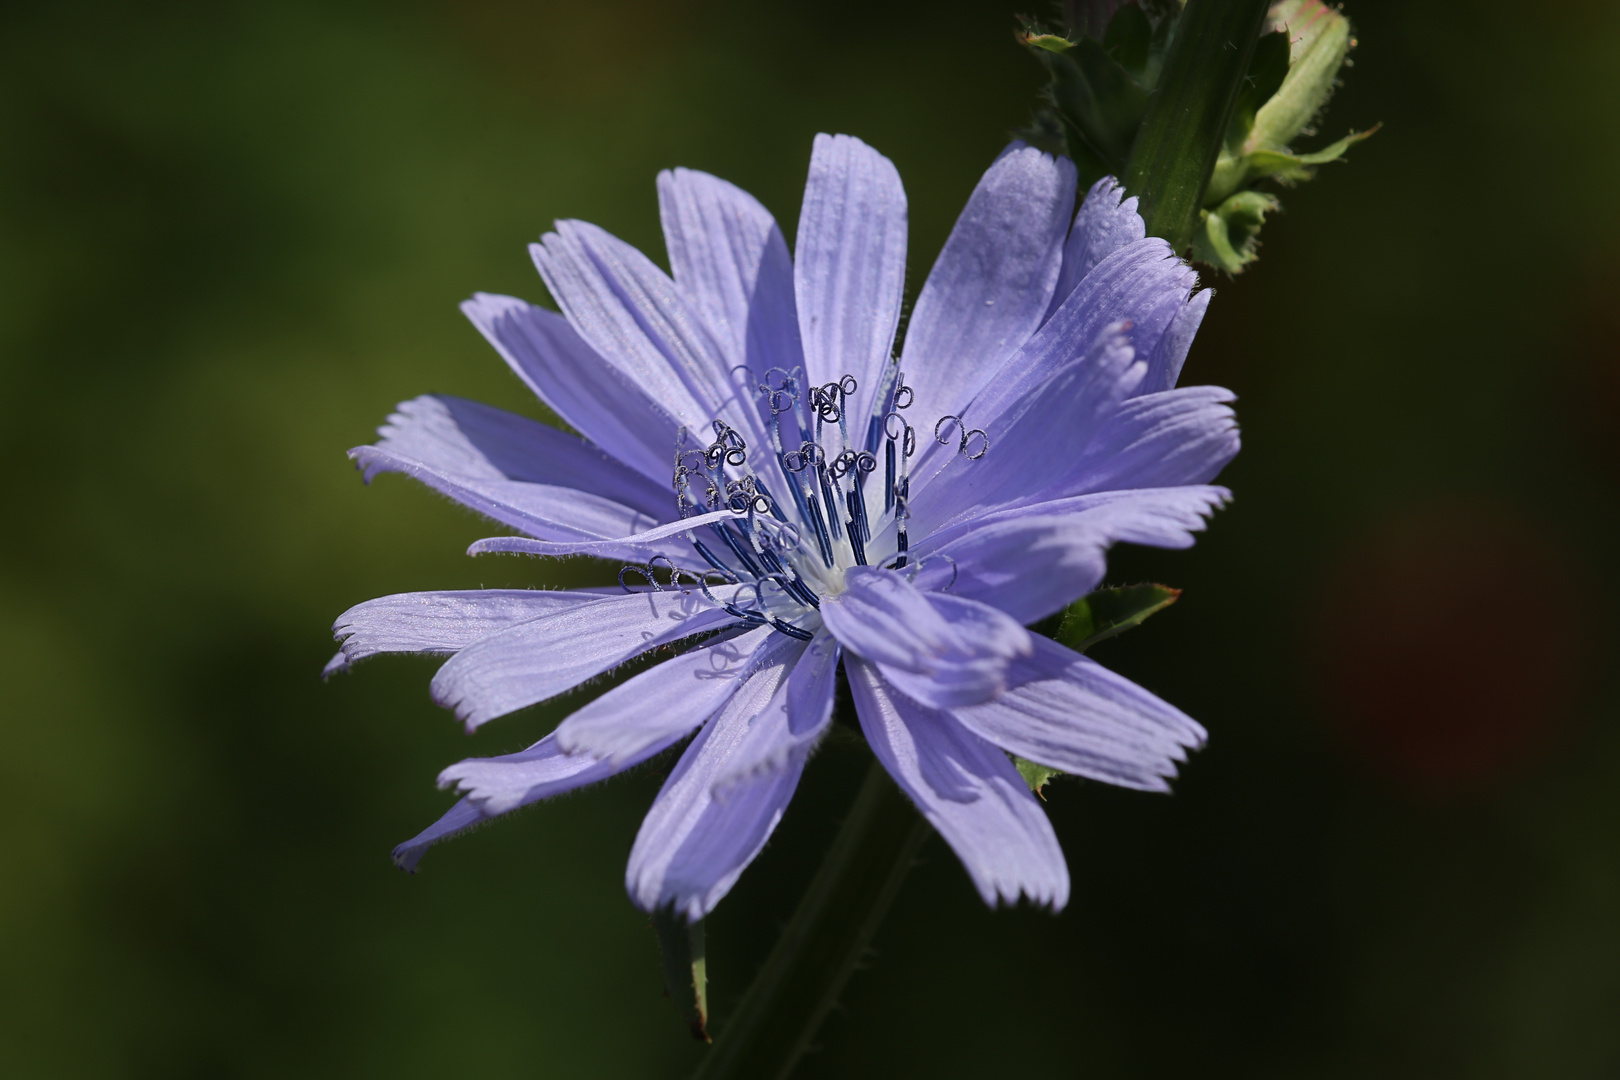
<point x="785" y="496"/>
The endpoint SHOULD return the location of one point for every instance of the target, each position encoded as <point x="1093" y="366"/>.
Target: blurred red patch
<point x="1450" y="642"/>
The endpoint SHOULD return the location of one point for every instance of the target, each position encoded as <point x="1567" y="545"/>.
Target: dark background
<point x="232" y="236"/>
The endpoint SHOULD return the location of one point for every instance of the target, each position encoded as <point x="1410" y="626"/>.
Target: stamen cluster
<point x="825" y="475"/>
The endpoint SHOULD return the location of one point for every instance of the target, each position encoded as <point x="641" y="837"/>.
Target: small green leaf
<point x="1236" y="171"/>
<point x="1279" y="163"/>
<point x="1050" y="42"/>
<point x="1107" y="612"/>
<point x="1036" y="776"/>
<point x="685" y="968"/>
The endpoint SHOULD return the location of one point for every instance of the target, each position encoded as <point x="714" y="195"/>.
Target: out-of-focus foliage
<point x="231" y="238"/>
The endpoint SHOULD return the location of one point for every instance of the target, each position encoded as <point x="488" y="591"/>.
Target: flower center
<point x="846" y="502"/>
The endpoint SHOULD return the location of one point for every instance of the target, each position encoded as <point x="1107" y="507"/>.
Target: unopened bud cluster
<point x="1107" y="64"/>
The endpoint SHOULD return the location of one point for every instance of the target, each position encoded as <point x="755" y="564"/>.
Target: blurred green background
<point x="233" y="236"/>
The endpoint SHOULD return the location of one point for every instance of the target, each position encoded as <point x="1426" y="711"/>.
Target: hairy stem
<point x="1188" y="113"/>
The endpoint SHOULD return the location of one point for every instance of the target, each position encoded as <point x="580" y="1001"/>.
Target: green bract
<point x="1107" y="612"/>
<point x="681" y="945"/>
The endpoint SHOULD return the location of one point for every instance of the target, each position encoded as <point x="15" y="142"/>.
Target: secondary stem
<point x="825" y="939"/>
<point x="1188" y="112"/>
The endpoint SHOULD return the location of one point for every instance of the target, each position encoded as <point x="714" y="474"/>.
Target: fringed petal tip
<point x="1071" y="714"/>
<point x="362" y="463"/>
<point x="1009" y="894"/>
<point x="369" y="463"/>
<point x="968" y="790"/>
<point x="371" y="459"/>
<point x="1164" y="517"/>
<point x="406" y="859"/>
<point x="491" y="787"/>
<point x="438" y="623"/>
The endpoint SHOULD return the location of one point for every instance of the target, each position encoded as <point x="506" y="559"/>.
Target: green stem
<point x="825" y="939"/>
<point x="1188" y="113"/>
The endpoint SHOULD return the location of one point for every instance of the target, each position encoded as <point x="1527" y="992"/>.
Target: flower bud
<point x="1318" y="42"/>
<point x="1295" y="69"/>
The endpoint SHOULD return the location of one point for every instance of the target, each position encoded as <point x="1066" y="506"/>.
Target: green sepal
<point x="1233" y="172"/>
<point x="1107" y="612"/>
<point x="686" y="978"/>
<point x="1286" y="166"/>
<point x="1090" y="164"/>
<point x="1229" y="234"/>
<point x="1050" y="42"/>
<point x="1188" y="128"/>
<point x="1036" y="776"/>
